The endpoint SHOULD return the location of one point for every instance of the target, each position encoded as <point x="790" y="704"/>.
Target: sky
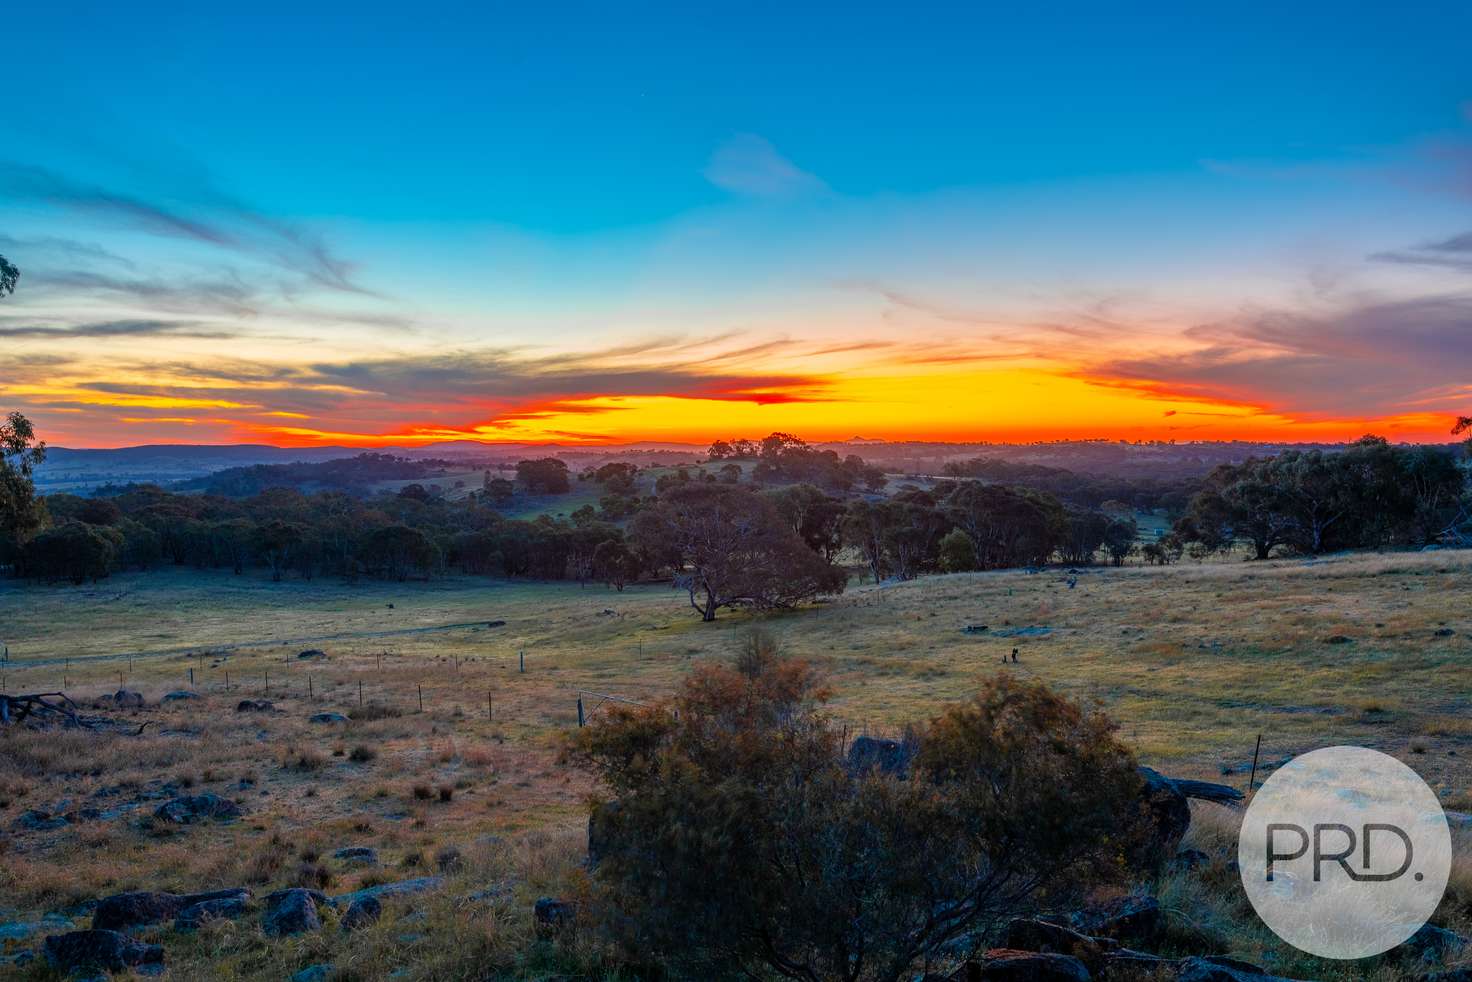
<point x="590" y="223"/>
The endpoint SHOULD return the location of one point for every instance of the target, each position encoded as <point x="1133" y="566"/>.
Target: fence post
<point x="420" y="687"/>
<point x="523" y="661"/>
<point x="1252" y="778"/>
<point x="310" y="697"/>
<point x="191" y="678"/>
<point x="580" y="710"/>
<point x="268" y="681"/>
<point x="360" y="692"/>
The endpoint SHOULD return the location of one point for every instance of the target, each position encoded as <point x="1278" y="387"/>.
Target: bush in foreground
<point x="739" y="841"/>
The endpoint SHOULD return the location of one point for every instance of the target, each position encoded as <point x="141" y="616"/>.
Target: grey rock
<point x="320" y="972"/>
<point x="1005" y="965"/>
<point x="21" y="930"/>
<point x="36" y="820"/>
<point x="403" y="888"/>
<point x="188" y="809"/>
<point x="1135" y="919"/>
<point x="1218" y="969"/>
<point x="127" y="699"/>
<point x="553" y="917"/>
<point x="361" y="913"/>
<point x="313" y="653"/>
<point x="221" y="908"/>
<point x="357" y="854"/>
<point x="110" y="951"/>
<point x="327" y="718"/>
<point x="291" y="912"/>
<point x="142" y="907"/>
<point x="180" y="695"/>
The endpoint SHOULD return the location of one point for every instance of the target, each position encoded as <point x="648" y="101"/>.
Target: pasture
<point x="1194" y="662"/>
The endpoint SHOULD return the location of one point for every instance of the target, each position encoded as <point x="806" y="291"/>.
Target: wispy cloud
<point x="748" y="164"/>
<point x="116" y="329"/>
<point x="1453" y="253"/>
<point x="200" y="215"/>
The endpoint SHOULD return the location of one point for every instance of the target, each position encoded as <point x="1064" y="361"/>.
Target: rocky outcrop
<point x="110" y="951"/>
<point x="188" y="809"/>
<point x="194" y="916"/>
<point x="139" y="908"/>
<point x="361" y="913"/>
<point x="292" y="911"/>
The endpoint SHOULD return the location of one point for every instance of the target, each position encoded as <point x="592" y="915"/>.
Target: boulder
<point x="35" y="820"/>
<point x="187" y="809"/>
<point x="327" y="718"/>
<point x="361" y="913"/>
<point x="1136" y="919"/>
<point x="179" y="695"/>
<point x="553" y="917"/>
<point x="889" y="756"/>
<point x="1215" y="968"/>
<point x="1169" y="814"/>
<point x="357" y="854"/>
<point x="221" y="908"/>
<point x="313" y="653"/>
<point x="1006" y="965"/>
<point x="111" y="951"/>
<point x="127" y="699"/>
<point x="403" y="888"/>
<point x="139" y="908"/>
<point x="1027" y="934"/>
<point x="1432" y="943"/>
<point x="21" y="930"/>
<point x="290" y="912"/>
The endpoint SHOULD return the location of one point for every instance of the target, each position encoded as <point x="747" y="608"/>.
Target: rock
<point x="1338" y="639"/>
<point x="889" y="756"/>
<point x="327" y="718"/>
<point x="1006" y="965"/>
<point x="110" y="951"/>
<point x="179" y="695"/>
<point x="35" y="820"/>
<point x="1026" y="934"/>
<point x="320" y="972"/>
<point x="1218" y="969"/>
<point x="553" y="917"/>
<point x="495" y="623"/>
<point x="357" y="854"/>
<point x="313" y="653"/>
<point x="361" y="913"/>
<point x="221" y="908"/>
<point x="1135" y="919"/>
<point x="254" y="706"/>
<point x="143" y="907"/>
<point x="974" y="629"/>
<point x="1170" y="816"/>
<point x="21" y="930"/>
<point x="1432" y="943"/>
<point x="290" y="912"/>
<point x="1443" y="632"/>
<point x="403" y="888"/>
<point x="127" y="699"/>
<point x="187" y="809"/>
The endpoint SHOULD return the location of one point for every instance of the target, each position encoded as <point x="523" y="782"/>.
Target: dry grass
<point x="1193" y="662"/>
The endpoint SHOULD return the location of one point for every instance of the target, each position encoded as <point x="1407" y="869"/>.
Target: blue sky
<point x="580" y="176"/>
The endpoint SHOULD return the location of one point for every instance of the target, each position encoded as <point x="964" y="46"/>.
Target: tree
<point x="498" y="490"/>
<point x="720" y="450"/>
<point x="728" y="547"/>
<point x="1010" y="526"/>
<point x="9" y="276"/>
<point x="1084" y="534"/>
<point x="547" y="475"/>
<point x="615" y="564"/>
<point x="957" y="552"/>
<point x="1119" y="539"/>
<point x="618" y="477"/>
<point x="396" y="551"/>
<point x="277" y="542"/>
<point x="21" y="513"/>
<point x="72" y="551"/>
<point x="1015" y="798"/>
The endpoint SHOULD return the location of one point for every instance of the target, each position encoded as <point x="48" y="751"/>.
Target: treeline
<point x="351" y="474"/>
<point x="1141" y="493"/>
<point x="1369" y="495"/>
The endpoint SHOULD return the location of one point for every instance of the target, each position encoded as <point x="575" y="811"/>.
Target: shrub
<point x="1015" y="799"/>
<point x="422" y="792"/>
<point x="362" y="754"/>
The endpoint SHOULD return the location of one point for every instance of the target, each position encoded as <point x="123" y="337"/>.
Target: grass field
<point x="1193" y="661"/>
